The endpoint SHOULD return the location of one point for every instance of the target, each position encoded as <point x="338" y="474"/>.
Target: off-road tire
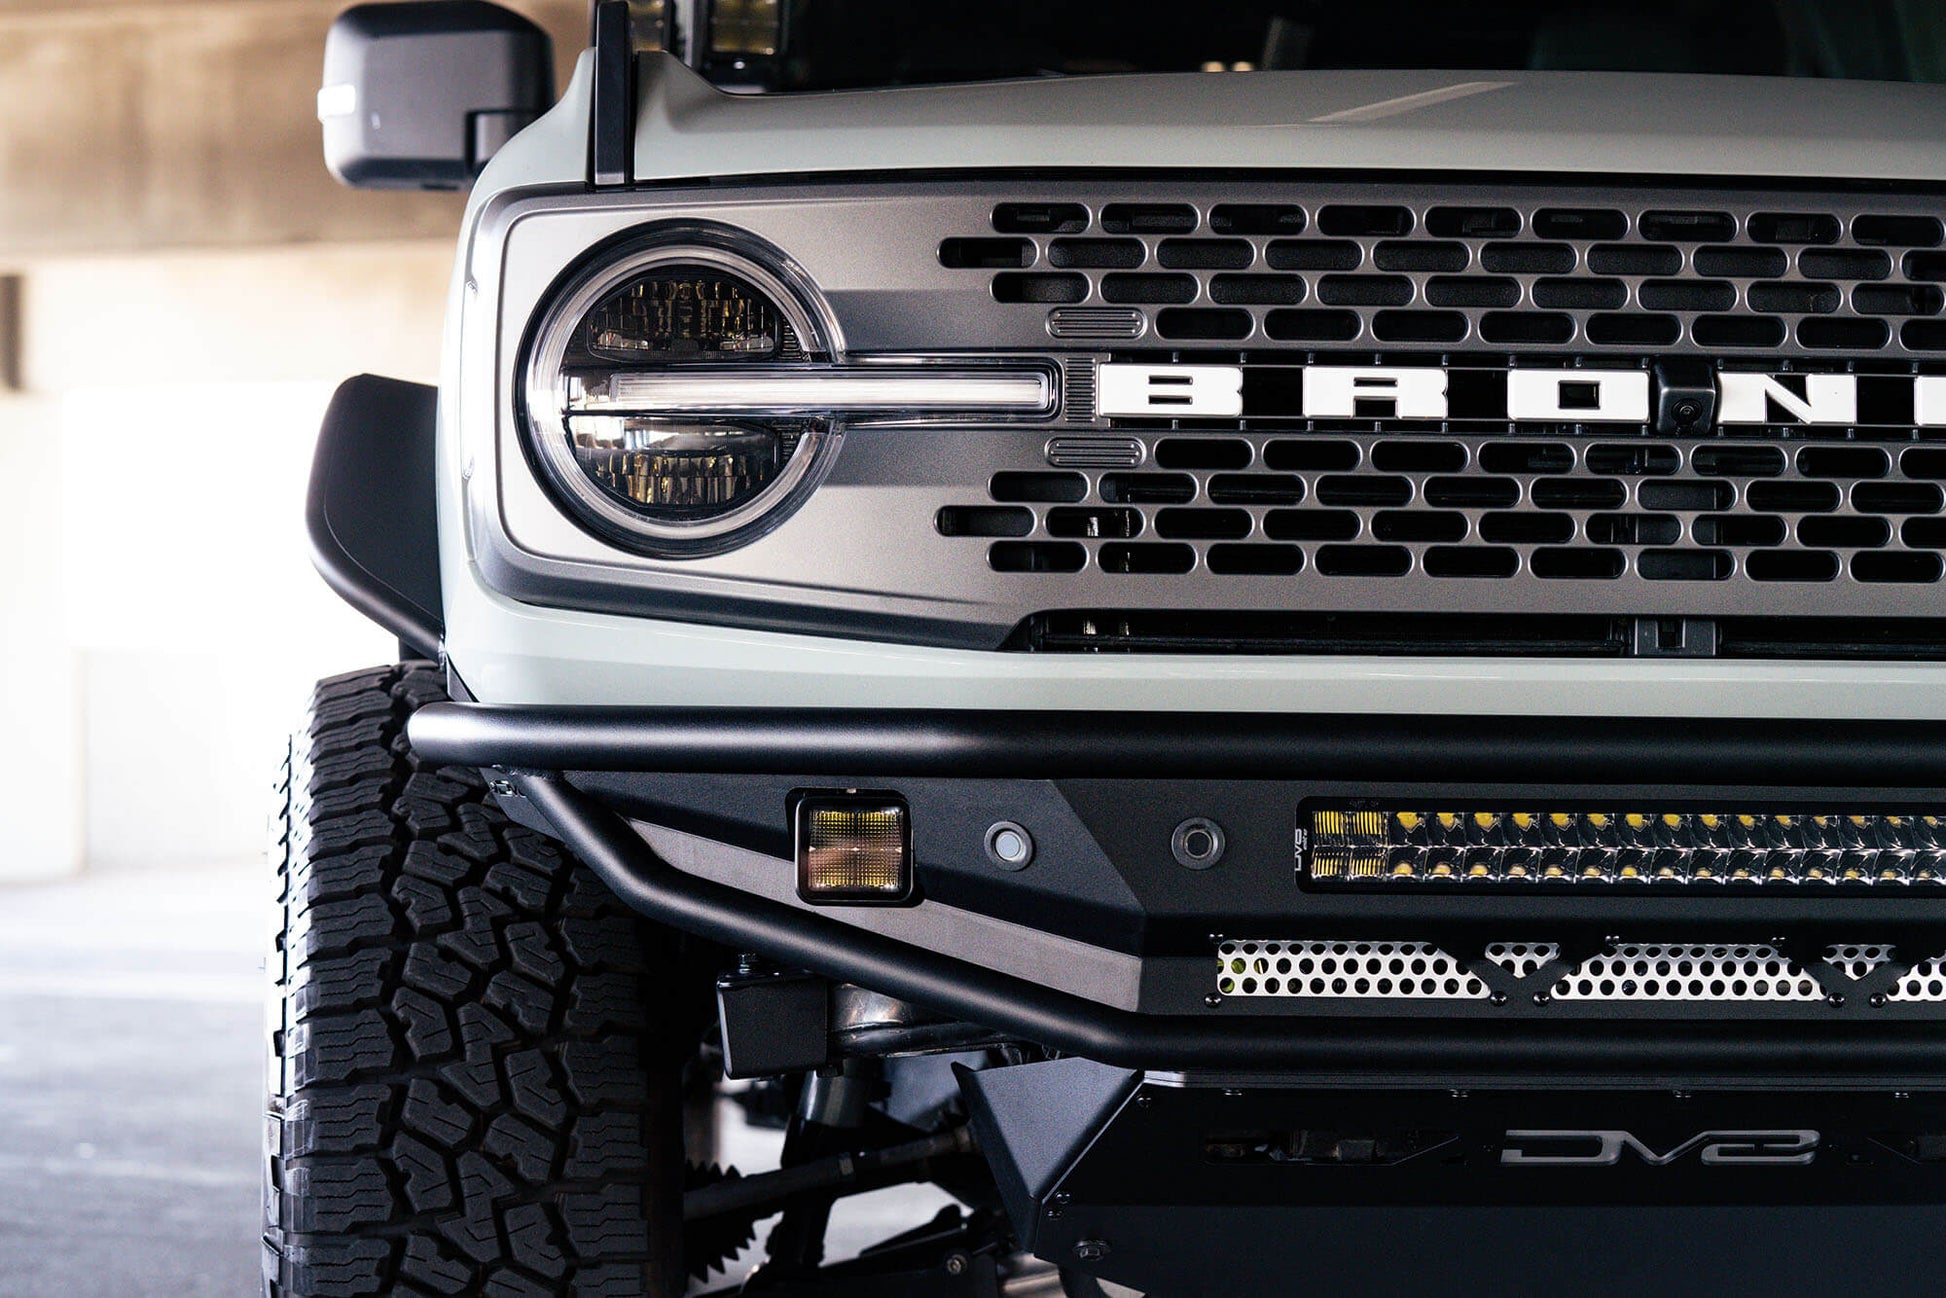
<point x="472" y="1083"/>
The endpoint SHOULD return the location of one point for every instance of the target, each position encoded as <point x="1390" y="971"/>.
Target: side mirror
<point x="420" y="95"/>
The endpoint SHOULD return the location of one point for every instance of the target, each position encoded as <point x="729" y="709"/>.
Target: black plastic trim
<point x="611" y="139"/>
<point x="370" y="509"/>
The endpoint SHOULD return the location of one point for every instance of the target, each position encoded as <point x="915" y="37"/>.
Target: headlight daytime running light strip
<point x="858" y="389"/>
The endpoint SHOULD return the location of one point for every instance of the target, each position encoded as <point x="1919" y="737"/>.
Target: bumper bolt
<point x="1091" y="1250"/>
<point x="956" y="1264"/>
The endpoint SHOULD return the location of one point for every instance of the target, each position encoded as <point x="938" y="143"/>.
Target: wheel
<point x="475" y="1050"/>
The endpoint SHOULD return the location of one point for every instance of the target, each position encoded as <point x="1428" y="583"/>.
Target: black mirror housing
<point x="420" y="95"/>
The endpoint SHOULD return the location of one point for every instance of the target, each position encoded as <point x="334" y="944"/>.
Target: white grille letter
<point x="1215" y="391"/>
<point x="1579" y="396"/>
<point x="1929" y="401"/>
<point x="1346" y="392"/>
<point x="1827" y="399"/>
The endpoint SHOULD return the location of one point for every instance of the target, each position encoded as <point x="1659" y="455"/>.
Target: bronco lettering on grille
<point x="1537" y="395"/>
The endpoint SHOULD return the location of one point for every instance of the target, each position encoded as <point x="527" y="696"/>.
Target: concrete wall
<point x="188" y="124"/>
<point x="159" y="619"/>
<point x="194" y="284"/>
<point x="40" y="744"/>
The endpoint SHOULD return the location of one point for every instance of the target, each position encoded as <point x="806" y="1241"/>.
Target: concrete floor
<point x="130" y="1065"/>
<point x="130" y="1102"/>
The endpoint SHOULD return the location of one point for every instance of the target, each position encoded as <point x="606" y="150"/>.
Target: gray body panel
<point x="1533" y="122"/>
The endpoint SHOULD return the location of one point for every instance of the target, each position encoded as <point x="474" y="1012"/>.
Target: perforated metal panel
<point x="1655" y="972"/>
<point x="1523" y="958"/>
<point x="1722" y="973"/>
<point x="1856" y="962"/>
<point x="1925" y="982"/>
<point x="1356" y="970"/>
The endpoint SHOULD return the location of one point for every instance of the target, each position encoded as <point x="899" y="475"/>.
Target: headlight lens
<point x="681" y="469"/>
<point x="683" y="313"/>
<point x="672" y="483"/>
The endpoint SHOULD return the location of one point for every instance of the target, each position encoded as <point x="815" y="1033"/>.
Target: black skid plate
<point x="1224" y="1187"/>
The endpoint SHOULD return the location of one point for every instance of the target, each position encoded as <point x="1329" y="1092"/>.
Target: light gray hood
<point x="1550" y="122"/>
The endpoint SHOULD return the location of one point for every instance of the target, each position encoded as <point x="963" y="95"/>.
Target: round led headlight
<point x="644" y="399"/>
<point x="684" y="398"/>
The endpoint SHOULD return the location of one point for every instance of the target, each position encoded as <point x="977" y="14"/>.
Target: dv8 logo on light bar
<point x="1713" y="1149"/>
<point x="1538" y="395"/>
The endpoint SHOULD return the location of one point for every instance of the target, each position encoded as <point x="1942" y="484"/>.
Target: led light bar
<point x="851" y="390"/>
<point x="1394" y="847"/>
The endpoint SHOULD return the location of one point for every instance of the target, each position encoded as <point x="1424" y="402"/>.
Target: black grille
<point x="1620" y="269"/>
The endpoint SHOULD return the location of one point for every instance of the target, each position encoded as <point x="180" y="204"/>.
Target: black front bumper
<point x="723" y="774"/>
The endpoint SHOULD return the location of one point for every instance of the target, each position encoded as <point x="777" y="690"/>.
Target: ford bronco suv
<point x="1290" y="646"/>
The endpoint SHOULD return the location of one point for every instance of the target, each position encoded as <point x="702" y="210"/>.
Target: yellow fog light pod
<point x="854" y="848"/>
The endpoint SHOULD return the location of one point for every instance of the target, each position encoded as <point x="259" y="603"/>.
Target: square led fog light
<point x="854" y="848"/>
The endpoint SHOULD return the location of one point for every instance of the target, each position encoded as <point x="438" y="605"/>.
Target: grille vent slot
<point x="1095" y="452"/>
<point x="1106" y="324"/>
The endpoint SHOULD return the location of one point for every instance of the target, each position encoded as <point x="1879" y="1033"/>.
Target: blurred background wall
<point x="181" y="286"/>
